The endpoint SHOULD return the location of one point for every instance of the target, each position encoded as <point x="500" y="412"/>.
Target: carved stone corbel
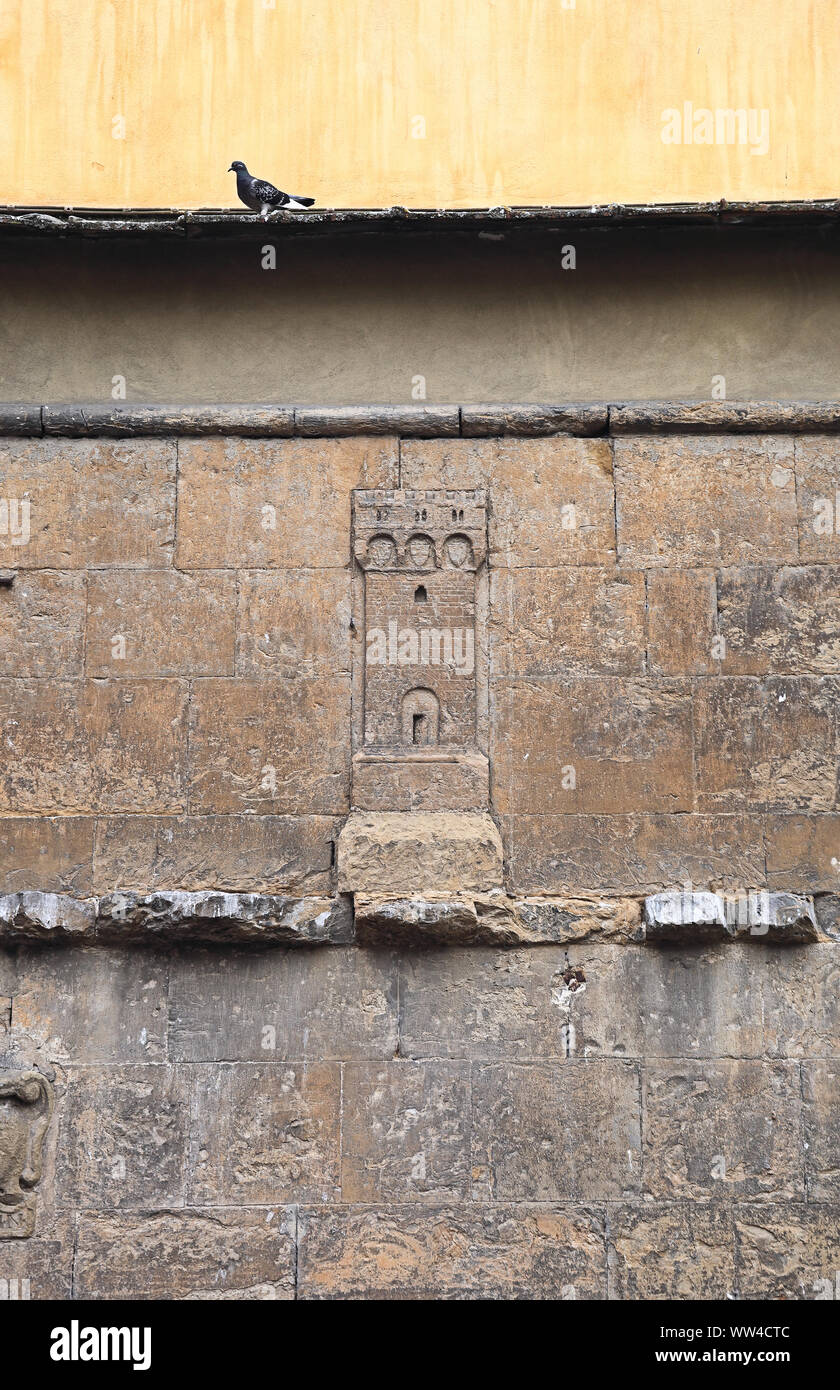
<point x="26" y="1108"/>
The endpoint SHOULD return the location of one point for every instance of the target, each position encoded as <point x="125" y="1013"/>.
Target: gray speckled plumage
<point x="261" y="196"/>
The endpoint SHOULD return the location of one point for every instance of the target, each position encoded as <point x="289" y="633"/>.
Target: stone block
<point x="270" y="746"/>
<point x="670" y="1251"/>
<point x="283" y="1005"/>
<point x="212" y="1253"/>
<point x="263" y="854"/>
<point x="94" y="1007"/>
<point x="433" y="781"/>
<point x="765" y="745"/>
<point x="47" y="762"/>
<point x="632" y="853"/>
<point x="208" y="916"/>
<point x="49" y="854"/>
<point x="803" y="852"/>
<point x="787" y="1251"/>
<point x="93" y="503"/>
<point x="278" y="504"/>
<point x="165" y="623"/>
<point x="46" y="916"/>
<point x="722" y="1129"/>
<point x="577" y="621"/>
<point x="405" y="1132"/>
<point x="40" y="1268"/>
<point x="451" y="1252"/>
<point x="42" y="625"/>
<point x="780" y="621"/>
<point x="591" y="745"/>
<point x="293" y="623"/>
<point x="547" y="1132"/>
<point x="264" y="1133"/>
<point x="552" y="499"/>
<point x="683" y="915"/>
<point x="817" y="486"/>
<point x="494" y="919"/>
<point x="137" y="732"/>
<point x="389" y="853"/>
<point x="682" y="622"/>
<point x="800" y="1001"/>
<point x="123" y="1136"/>
<point x="718" y="500"/>
<point x="821" y="1103"/>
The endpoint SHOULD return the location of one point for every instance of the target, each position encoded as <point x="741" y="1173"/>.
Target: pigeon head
<point x="237" y="167"/>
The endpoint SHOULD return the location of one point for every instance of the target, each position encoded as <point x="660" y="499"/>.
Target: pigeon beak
<point x="230" y="170"/>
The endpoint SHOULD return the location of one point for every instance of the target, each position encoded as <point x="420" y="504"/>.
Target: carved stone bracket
<point x="26" y="1108"/>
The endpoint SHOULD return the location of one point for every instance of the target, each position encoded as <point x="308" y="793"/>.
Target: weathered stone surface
<point x="43" y="916"/>
<point x="78" y="512"/>
<point x="283" y="504"/>
<point x="709" y="501"/>
<point x="766" y="745"/>
<point x="95" y="419"/>
<point x="42" y="622"/>
<point x="554" y="1132"/>
<point x="580" y="620"/>
<point x="827" y="909"/>
<point x="493" y="918"/>
<point x="414" y="782"/>
<point x="137" y="732"/>
<point x="212" y="916"/>
<point x="293" y="623"/>
<point x="722" y="1129"/>
<point x="780" y="621"/>
<point x="123" y="1137"/>
<point x="261" y="854"/>
<point x="632" y="853"/>
<point x="591" y="745"/>
<point x="74" y="746"/>
<point x="50" y="854"/>
<point x="280" y="1005"/>
<point x="419" y="421"/>
<point x="553" y="501"/>
<point x="671" y="1251"/>
<point x="389" y="853"/>
<point x="717" y="417"/>
<point x="817" y="485"/>
<point x="799" y="992"/>
<point x="47" y="764"/>
<point x="270" y="746"/>
<point x="405" y="1131"/>
<point x="526" y="419"/>
<point x="264" y="1133"/>
<point x="821" y="1103"/>
<point x="213" y="1253"/>
<point x="787" y="1251"/>
<point x="40" y="1267"/>
<point x="454" y="1252"/>
<point x="683" y="915"/>
<point x="803" y="852"/>
<point x="93" y="1007"/>
<point x="171" y="624"/>
<point x="682" y="622"/>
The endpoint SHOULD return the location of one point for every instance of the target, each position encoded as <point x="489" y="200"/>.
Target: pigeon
<point x="263" y="197"/>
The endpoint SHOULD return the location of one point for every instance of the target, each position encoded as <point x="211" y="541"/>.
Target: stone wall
<point x="577" y="1040"/>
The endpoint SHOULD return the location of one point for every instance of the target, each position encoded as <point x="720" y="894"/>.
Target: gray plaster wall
<point x="646" y="314"/>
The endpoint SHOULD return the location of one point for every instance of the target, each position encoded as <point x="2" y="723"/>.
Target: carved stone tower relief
<point x="420" y="670"/>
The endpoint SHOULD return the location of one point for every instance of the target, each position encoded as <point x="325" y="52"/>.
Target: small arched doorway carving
<point x="420" y="717"/>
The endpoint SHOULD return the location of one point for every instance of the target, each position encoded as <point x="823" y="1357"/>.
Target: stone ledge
<point x="692" y="916"/>
<point x="455" y="917"/>
<point x="175" y="916"/>
<point x="524" y="419"/>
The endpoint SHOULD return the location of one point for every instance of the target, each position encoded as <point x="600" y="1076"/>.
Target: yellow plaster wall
<point x="524" y="101"/>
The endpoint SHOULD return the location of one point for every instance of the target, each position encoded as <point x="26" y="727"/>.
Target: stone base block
<point x="421" y="781"/>
<point x="413" y="853"/>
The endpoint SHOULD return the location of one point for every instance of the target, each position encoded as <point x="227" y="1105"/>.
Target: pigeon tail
<point x="302" y="202"/>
